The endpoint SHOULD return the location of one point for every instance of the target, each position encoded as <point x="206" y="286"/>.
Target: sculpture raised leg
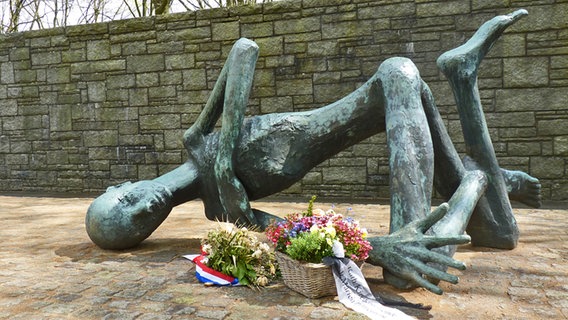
<point x="493" y="223"/>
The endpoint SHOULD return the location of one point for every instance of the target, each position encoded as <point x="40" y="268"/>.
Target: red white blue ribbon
<point x="207" y="275"/>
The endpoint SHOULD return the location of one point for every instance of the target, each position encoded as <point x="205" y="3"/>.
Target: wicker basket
<point x="313" y="280"/>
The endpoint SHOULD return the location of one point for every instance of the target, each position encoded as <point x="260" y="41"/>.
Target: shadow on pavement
<point x="153" y="250"/>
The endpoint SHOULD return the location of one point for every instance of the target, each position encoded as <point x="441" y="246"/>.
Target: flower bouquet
<point x="302" y="240"/>
<point x="238" y="254"/>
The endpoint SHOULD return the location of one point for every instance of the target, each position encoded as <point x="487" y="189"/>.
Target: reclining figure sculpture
<point x="248" y="159"/>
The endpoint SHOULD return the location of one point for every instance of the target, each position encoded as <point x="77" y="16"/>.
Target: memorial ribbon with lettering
<point x="354" y="292"/>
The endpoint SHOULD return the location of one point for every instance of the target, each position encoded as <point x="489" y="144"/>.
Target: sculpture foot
<point x="464" y="60"/>
<point x="492" y="223"/>
<point x="523" y="188"/>
<point x="494" y="236"/>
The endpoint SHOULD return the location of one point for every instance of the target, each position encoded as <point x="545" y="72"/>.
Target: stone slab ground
<point x="49" y="269"/>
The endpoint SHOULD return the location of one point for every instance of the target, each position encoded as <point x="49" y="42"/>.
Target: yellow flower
<point x="330" y="231"/>
<point x="314" y="229"/>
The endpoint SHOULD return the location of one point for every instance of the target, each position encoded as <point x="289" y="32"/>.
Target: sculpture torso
<point x="277" y="150"/>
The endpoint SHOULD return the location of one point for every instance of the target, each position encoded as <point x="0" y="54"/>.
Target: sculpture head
<point x="128" y="213"/>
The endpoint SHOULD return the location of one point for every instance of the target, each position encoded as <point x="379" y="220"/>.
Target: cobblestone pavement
<point x="49" y="269"/>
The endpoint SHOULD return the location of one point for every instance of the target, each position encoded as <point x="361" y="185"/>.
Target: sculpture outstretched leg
<point x="414" y="231"/>
<point x="492" y="223"/>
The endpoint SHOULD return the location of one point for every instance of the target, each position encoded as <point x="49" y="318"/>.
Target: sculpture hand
<point x="405" y="253"/>
<point x="233" y="197"/>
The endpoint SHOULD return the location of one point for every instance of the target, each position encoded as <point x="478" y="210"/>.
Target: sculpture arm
<point x="239" y="76"/>
<point x="406" y="252"/>
<point x="212" y="110"/>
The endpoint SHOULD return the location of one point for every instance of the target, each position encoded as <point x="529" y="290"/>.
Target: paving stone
<point x="99" y="300"/>
<point x="326" y="313"/>
<point x="60" y="308"/>
<point x="67" y="297"/>
<point x="557" y="294"/>
<point x="121" y="316"/>
<point x="120" y="304"/>
<point x="212" y="314"/>
<point x="131" y="293"/>
<point x="181" y="310"/>
<point x="154" y="307"/>
<point x="95" y="313"/>
<point x="219" y="302"/>
<point x="160" y="297"/>
<point x="154" y="317"/>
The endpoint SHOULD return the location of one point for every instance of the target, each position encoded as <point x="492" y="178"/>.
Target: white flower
<point x="227" y="227"/>
<point x="262" y="281"/>
<point x="318" y="212"/>
<point x="257" y="254"/>
<point x="264" y="247"/>
<point x="206" y="248"/>
<point x="337" y="249"/>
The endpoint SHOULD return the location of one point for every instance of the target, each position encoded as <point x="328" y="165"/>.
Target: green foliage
<point x="310" y="211"/>
<point x="309" y="247"/>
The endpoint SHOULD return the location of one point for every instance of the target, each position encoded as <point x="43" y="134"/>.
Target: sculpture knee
<point x="399" y="69"/>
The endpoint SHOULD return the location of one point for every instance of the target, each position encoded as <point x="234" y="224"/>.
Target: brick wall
<point x="84" y="107"/>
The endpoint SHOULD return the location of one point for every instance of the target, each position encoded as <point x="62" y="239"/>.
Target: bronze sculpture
<point x="252" y="158"/>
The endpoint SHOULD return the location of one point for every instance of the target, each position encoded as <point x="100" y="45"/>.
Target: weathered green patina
<point x="250" y="158"/>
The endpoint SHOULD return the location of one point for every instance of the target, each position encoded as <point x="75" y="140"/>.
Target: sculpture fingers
<point x="435" y="216"/>
<point x="420" y="281"/>
<point x="439" y="241"/>
<point x="430" y="256"/>
<point x="434" y="273"/>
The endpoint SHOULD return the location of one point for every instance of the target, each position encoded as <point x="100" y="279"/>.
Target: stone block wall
<point x="84" y="107"/>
